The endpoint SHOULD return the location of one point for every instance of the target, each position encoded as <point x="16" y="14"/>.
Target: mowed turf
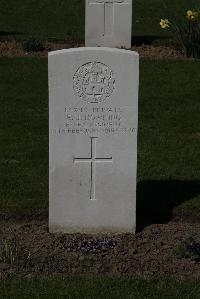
<point x="169" y="136"/>
<point x="64" y="19"/>
<point x="99" y="288"/>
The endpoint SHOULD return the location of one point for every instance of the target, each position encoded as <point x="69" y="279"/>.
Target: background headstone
<point x="93" y="102"/>
<point x="108" y="23"/>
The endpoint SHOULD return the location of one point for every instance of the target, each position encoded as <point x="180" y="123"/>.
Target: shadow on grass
<point x="157" y="199"/>
<point x="11" y="35"/>
<point x="8" y="33"/>
<point x="146" y="39"/>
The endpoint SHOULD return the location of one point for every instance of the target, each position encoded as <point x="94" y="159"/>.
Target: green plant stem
<point x="178" y="34"/>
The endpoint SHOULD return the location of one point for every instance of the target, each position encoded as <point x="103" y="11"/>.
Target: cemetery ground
<point x="168" y="201"/>
<point x="35" y="19"/>
<point x="163" y="259"/>
<point x="19" y="23"/>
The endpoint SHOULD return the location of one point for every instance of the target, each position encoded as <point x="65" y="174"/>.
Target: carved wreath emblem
<point x="94" y="82"/>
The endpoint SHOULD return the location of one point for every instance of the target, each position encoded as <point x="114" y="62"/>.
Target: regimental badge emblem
<point x="94" y="82"/>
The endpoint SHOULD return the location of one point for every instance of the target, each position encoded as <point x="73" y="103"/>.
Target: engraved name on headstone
<point x="93" y="111"/>
<point x="108" y="23"/>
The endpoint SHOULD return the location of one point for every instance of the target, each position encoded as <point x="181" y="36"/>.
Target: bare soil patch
<point x="13" y="48"/>
<point x="28" y="249"/>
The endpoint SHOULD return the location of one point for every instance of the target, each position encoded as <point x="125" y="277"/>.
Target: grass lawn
<point x="99" y="288"/>
<point x="169" y="136"/>
<point x="64" y="19"/>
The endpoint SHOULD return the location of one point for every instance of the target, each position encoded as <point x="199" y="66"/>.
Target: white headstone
<point x="108" y="23"/>
<point x="93" y="102"/>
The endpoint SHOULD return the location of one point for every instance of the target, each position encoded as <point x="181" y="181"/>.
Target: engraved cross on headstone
<point x="109" y="6"/>
<point x="93" y="160"/>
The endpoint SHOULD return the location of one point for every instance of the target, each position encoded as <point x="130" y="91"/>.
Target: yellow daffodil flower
<point x="164" y="23"/>
<point x="192" y="15"/>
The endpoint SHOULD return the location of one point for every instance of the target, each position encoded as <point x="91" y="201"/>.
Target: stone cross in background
<point x="108" y="23"/>
<point x="109" y="11"/>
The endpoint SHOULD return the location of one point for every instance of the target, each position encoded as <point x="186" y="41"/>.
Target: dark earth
<point x="28" y="249"/>
<point x="13" y="48"/>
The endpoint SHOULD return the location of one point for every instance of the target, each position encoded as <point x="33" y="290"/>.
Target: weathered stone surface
<point x="108" y="23"/>
<point x="93" y="110"/>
